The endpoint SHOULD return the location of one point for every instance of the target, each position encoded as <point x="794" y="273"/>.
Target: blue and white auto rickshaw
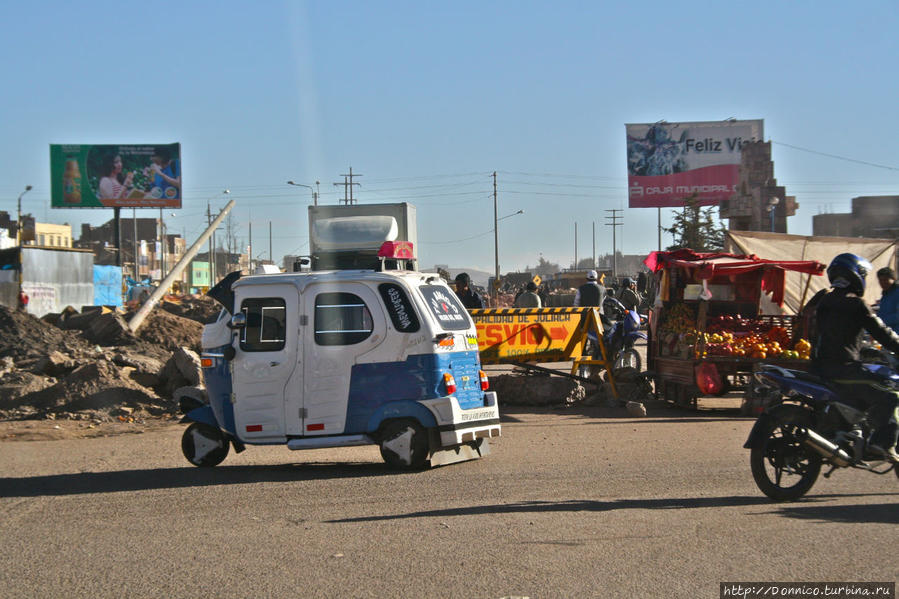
<point x="331" y="359"/>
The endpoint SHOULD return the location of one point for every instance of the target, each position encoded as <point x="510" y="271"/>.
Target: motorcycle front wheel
<point x="783" y="467"/>
<point x="628" y="358"/>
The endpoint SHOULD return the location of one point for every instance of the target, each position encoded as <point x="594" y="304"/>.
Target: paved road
<point x="571" y="503"/>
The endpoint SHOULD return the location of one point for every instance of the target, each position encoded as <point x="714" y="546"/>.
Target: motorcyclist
<point x="629" y="296"/>
<point x="841" y="316"/>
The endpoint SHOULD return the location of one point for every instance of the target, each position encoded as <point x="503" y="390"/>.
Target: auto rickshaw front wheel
<point x="203" y="445"/>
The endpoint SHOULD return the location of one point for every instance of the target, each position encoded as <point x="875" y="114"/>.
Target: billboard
<point x="667" y="162"/>
<point x="111" y="176"/>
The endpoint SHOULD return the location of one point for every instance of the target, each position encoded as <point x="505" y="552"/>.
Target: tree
<point x="544" y="268"/>
<point x="584" y="264"/>
<point x="694" y="227"/>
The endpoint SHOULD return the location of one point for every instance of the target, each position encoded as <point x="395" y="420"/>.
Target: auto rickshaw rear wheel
<point x="404" y="444"/>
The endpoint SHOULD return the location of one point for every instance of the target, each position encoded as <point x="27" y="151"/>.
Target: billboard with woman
<point x="115" y="176"/>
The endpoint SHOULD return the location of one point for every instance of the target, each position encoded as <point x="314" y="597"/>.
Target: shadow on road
<point x="621" y="504"/>
<point x="175" y="478"/>
<point x="881" y="513"/>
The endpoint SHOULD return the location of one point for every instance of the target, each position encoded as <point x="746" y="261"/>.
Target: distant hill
<point x="478" y="277"/>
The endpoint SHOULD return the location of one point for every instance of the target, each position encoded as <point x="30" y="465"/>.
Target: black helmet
<point x="849" y="270"/>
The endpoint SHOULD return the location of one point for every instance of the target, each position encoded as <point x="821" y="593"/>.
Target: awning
<point x="707" y="265"/>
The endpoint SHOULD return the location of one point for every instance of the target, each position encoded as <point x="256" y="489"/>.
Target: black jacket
<point x="841" y="317"/>
<point x="471" y="300"/>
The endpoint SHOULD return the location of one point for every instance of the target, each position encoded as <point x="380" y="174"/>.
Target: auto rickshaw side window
<point x="341" y="319"/>
<point x="399" y="307"/>
<point x="266" y="324"/>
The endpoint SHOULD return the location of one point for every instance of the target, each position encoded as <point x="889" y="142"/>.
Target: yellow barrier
<point x="525" y="334"/>
<point x="539" y="335"/>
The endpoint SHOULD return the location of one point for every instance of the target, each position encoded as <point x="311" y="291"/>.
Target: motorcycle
<point x="620" y="338"/>
<point x="810" y="428"/>
<point x="612" y="309"/>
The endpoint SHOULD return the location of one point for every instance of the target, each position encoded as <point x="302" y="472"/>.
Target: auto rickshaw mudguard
<point x="202" y="414"/>
<point x="401" y="409"/>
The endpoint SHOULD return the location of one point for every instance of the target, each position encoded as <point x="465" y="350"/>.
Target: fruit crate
<point x="787" y="321"/>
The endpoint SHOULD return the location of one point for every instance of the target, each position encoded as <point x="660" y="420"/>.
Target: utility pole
<point x="575" y="245"/>
<point x="250" y="257"/>
<point x="593" y="260"/>
<point x="209" y="223"/>
<point x="495" y="244"/>
<point x="270" y="257"/>
<point x="348" y="187"/>
<point x="660" y="229"/>
<point x="613" y="222"/>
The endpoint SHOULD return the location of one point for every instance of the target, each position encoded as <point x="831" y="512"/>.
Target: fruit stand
<point x="706" y="333"/>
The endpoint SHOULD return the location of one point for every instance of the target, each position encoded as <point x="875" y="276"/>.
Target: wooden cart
<point x="707" y="314"/>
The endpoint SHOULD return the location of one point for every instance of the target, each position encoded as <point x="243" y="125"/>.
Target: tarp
<point x="880" y="252"/>
<point x="107" y="285"/>
<point x="723" y="264"/>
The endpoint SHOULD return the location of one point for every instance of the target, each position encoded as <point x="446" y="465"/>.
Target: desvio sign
<point x="525" y="334"/>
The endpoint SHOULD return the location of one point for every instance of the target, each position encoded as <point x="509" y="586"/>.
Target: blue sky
<point x="425" y="100"/>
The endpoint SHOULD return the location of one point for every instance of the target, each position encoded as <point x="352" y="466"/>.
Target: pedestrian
<point x="888" y="311"/>
<point x="590" y="293"/>
<point x="23" y="300"/>
<point x="469" y="299"/>
<point x="529" y="298"/>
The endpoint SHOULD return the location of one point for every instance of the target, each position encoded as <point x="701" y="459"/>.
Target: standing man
<point x="529" y="298"/>
<point x="889" y="299"/>
<point x="590" y="293"/>
<point x="469" y="298"/>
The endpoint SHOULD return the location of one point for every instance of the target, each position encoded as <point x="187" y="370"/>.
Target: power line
<point x="891" y="168"/>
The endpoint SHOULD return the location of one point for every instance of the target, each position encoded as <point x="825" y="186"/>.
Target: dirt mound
<point x="24" y="336"/>
<point x="97" y="369"/>
<point x="167" y="330"/>
<point x="100" y="388"/>
<point x="536" y="390"/>
<point x="201" y="308"/>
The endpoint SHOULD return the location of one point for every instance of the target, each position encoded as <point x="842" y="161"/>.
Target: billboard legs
<point x="117" y="235"/>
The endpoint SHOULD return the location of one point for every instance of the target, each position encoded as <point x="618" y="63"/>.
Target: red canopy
<point x="712" y="264"/>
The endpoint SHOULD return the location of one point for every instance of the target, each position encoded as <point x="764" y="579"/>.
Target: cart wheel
<point x="725" y="387"/>
<point x="404" y="444"/>
<point x="204" y="445"/>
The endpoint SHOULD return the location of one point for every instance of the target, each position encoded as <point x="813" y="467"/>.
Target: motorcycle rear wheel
<point x="783" y="467"/>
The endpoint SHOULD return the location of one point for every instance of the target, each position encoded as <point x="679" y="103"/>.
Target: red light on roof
<point x="398" y="250"/>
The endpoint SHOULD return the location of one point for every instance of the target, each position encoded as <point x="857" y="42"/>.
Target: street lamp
<point x="772" y="206"/>
<point x="19" y="243"/>
<point x="314" y="192"/>
<point x="496" y="245"/>
<point x="19" y="221"/>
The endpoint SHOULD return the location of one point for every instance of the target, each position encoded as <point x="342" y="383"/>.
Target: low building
<point x="53" y="278"/>
<point x="871" y="217"/>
